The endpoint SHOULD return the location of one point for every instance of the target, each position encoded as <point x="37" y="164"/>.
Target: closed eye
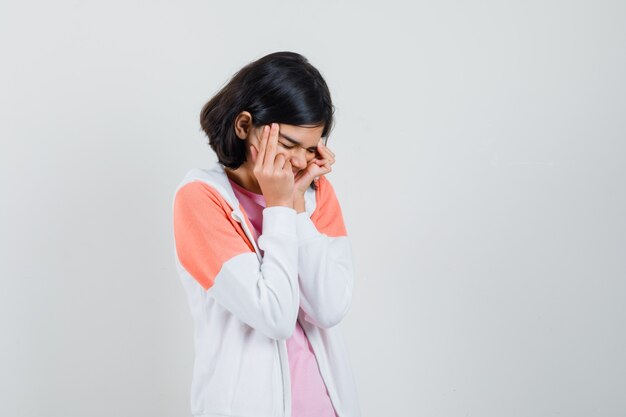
<point x="310" y="151"/>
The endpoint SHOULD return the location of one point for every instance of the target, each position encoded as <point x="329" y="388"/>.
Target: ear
<point x="243" y="125"/>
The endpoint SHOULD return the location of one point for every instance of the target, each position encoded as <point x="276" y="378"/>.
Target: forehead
<point x="305" y="136"/>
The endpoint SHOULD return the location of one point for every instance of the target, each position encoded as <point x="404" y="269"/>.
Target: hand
<point x="315" y="168"/>
<point x="273" y="172"/>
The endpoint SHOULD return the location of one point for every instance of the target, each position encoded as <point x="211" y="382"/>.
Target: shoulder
<point x="327" y="216"/>
<point x="197" y="193"/>
<point x="197" y="201"/>
<point x="325" y="191"/>
<point x="323" y="185"/>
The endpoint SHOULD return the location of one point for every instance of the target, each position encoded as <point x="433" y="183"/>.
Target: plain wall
<point x="479" y="164"/>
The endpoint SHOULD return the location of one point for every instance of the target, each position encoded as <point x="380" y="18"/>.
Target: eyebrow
<point x="292" y="140"/>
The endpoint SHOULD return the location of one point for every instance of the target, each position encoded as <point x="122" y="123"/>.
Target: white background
<point x="480" y="167"/>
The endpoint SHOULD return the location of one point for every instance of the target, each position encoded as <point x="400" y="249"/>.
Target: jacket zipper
<point x="256" y="249"/>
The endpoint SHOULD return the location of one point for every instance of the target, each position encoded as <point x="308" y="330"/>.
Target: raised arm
<point x="213" y="248"/>
<point x="325" y="266"/>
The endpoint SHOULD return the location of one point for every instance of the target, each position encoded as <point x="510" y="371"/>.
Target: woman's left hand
<point x="315" y="168"/>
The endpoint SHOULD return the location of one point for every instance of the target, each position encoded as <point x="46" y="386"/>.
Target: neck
<point x="244" y="178"/>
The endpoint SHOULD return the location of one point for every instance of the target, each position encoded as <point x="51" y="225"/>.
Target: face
<point x="297" y="143"/>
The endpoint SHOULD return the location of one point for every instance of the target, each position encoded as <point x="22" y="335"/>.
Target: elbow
<point x="283" y="334"/>
<point x="283" y="326"/>
<point x="283" y="330"/>
<point x="327" y="323"/>
<point x="330" y="318"/>
<point x="279" y="329"/>
<point x="331" y="312"/>
<point x="333" y="316"/>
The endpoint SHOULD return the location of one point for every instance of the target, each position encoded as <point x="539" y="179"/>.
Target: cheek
<point x="254" y="144"/>
<point x="281" y="151"/>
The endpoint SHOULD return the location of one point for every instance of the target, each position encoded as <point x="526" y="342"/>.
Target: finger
<point x="279" y="162"/>
<point x="324" y="161"/>
<point x="324" y="147"/>
<point x="323" y="164"/>
<point x="328" y="155"/>
<point x="270" y="151"/>
<point x="263" y="145"/>
<point x="325" y="150"/>
<point x="288" y="167"/>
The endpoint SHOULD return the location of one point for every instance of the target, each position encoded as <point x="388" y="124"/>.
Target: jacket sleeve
<point x="325" y="266"/>
<point x="214" y="250"/>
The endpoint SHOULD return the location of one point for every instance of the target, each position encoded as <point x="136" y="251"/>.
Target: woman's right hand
<point x="273" y="172"/>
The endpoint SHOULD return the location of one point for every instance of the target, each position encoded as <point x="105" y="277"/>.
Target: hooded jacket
<point x="245" y="299"/>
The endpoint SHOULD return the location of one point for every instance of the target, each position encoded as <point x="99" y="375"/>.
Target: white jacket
<point x="245" y="304"/>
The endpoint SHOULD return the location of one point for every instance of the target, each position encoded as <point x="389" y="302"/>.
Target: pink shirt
<point x="309" y="397"/>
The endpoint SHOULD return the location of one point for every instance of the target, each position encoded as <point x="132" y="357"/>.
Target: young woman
<point x="262" y="250"/>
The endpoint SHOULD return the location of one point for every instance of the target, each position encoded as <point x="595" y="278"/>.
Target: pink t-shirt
<point x="309" y="396"/>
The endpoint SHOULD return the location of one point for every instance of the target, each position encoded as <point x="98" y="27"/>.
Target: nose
<point x="298" y="159"/>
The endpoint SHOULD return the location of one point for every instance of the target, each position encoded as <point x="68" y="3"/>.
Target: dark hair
<point x="282" y="87"/>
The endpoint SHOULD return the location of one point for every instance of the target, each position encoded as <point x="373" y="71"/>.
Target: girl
<point x="262" y="250"/>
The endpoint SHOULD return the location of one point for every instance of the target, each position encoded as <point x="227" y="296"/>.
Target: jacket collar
<point x="215" y="175"/>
